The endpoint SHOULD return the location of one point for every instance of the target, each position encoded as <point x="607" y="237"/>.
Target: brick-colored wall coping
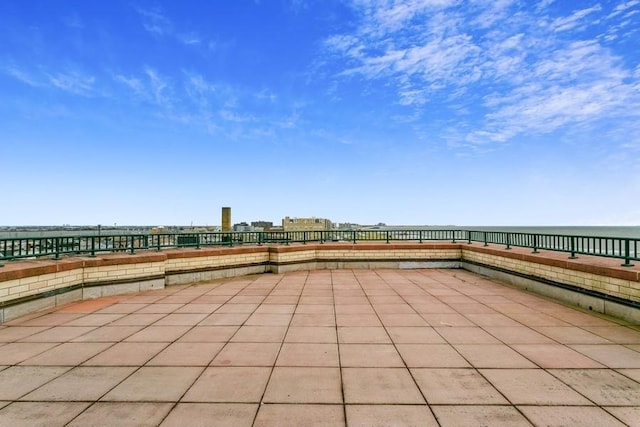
<point x="607" y="267"/>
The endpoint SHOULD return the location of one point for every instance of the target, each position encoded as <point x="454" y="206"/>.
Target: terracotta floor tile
<point x="247" y="354"/>
<point x="350" y="300"/>
<point x="175" y="319"/>
<point x="17" y="381"/>
<point x="495" y="319"/>
<point x="369" y="355"/>
<point x="209" y="334"/>
<point x="269" y="319"/>
<point x="433" y="308"/>
<point x="414" y="335"/>
<point x="628" y="415"/>
<point x="96" y="319"/>
<point x="555" y="356"/>
<point x="413" y="319"/>
<point x="122" y="308"/>
<point x="571" y="335"/>
<point x="159" y="308"/>
<point x="354" y="308"/>
<point x="126" y="354"/>
<point x="610" y="355"/>
<point x="472" y="416"/>
<point x="493" y="356"/>
<point x="246" y="299"/>
<point x="431" y="356"/>
<point x="276" y="309"/>
<point x="357" y="320"/>
<point x="456" y="386"/>
<point x="228" y="319"/>
<point x="281" y="299"/>
<point x="14" y="353"/>
<point x="380" y="386"/>
<point x="15" y="333"/>
<point x="187" y="354"/>
<point x="108" y="414"/>
<point x="300" y="415"/>
<point x="228" y="385"/>
<point x="198" y="308"/>
<point x="40" y="414"/>
<point x="569" y="416"/>
<point x="616" y="333"/>
<point x="532" y="387"/>
<point x="138" y="319"/>
<point x="465" y="335"/>
<point x="321" y="319"/>
<point x="199" y="414"/>
<point x="308" y="354"/>
<point x="158" y="334"/>
<point x="58" y="334"/>
<point x="51" y="319"/>
<point x="518" y="335"/>
<point x="402" y="308"/>
<point x="67" y="354"/>
<point x="155" y="384"/>
<point x="537" y="319"/>
<point x="634" y="374"/>
<point x="108" y="334"/>
<point x="363" y="335"/>
<point x="81" y="384"/>
<point x="390" y="415"/>
<point x="260" y="334"/>
<point x="315" y="309"/>
<point x="304" y="385"/>
<point x="237" y="308"/>
<point x="311" y="300"/>
<point x="310" y="334"/>
<point x="446" y="319"/>
<point x="603" y="386"/>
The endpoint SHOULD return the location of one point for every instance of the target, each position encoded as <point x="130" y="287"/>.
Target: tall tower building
<point x="226" y="219"/>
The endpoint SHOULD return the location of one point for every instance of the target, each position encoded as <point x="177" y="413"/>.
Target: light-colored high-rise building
<point x="305" y="224"/>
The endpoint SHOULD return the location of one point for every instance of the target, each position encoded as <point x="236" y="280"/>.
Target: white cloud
<point x="73" y="82"/>
<point x="532" y="73"/>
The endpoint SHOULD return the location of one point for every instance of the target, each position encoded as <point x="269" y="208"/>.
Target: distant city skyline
<point x="408" y="113"/>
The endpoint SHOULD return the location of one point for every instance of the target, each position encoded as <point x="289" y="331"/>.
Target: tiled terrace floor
<point x="333" y="348"/>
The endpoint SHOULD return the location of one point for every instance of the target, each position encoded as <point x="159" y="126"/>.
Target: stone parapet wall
<point x="34" y="285"/>
<point x="589" y="273"/>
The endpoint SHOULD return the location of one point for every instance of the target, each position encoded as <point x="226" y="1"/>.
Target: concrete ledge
<point x="589" y="300"/>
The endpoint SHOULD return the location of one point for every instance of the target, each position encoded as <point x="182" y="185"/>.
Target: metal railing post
<point x="573" y="247"/>
<point x="131" y="249"/>
<point x="353" y="232"/>
<point x="304" y="237"/>
<point x="57" y="248"/>
<point x="468" y="237"/>
<point x="508" y="240"/>
<point x="535" y="244"/>
<point x="387" y="234"/>
<point x="485" y="238"/>
<point x="93" y="246"/>
<point x="627" y="255"/>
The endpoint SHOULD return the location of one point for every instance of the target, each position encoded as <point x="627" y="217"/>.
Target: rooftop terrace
<point x="328" y="347"/>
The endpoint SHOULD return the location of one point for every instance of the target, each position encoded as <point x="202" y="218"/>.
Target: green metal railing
<point x="626" y="249"/>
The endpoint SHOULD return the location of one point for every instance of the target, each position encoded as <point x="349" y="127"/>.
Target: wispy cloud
<point x="533" y="73"/>
<point x="155" y="22"/>
<point x="73" y="82"/>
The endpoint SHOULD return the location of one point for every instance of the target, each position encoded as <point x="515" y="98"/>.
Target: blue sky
<point x="443" y="112"/>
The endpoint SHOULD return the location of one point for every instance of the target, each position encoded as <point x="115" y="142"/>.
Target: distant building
<point x="264" y="225"/>
<point x="305" y="224"/>
<point x="242" y="227"/>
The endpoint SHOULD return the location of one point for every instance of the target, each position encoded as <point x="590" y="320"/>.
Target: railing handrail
<point x="624" y="248"/>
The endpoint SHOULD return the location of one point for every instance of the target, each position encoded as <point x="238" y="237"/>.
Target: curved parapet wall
<point x="593" y="283"/>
